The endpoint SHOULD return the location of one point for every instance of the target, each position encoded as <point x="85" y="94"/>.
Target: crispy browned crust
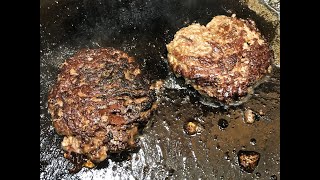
<point x="97" y="102"/>
<point x="222" y="59"/>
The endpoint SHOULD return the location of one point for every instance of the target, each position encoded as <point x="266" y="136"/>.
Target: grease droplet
<point x="114" y="168"/>
<point x="253" y="141"/>
<point x="226" y="156"/>
<point x="170" y="172"/>
<point x="215" y="137"/>
<point x="273" y="177"/>
<point x="218" y="146"/>
<point x="258" y="175"/>
<point x="222" y="123"/>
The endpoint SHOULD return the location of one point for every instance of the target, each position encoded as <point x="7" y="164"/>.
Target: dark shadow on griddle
<point x="195" y="98"/>
<point x="118" y="157"/>
<point x="124" y="155"/>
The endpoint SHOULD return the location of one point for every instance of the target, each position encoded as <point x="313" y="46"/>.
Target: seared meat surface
<point x="98" y="102"/>
<point x="221" y="60"/>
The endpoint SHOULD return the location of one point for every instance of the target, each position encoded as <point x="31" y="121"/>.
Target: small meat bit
<point x="249" y="116"/>
<point x="192" y="127"/>
<point x="248" y="160"/>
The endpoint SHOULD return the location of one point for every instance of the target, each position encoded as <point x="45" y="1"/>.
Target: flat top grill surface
<point x="142" y="29"/>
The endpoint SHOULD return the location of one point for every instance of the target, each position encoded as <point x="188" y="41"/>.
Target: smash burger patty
<point x="222" y="59"/>
<point x="97" y="103"/>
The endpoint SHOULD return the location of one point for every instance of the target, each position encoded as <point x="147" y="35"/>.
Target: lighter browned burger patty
<point x="97" y="103"/>
<point x="222" y="59"/>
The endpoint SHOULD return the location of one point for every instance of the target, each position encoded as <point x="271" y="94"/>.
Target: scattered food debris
<point x="248" y="160"/>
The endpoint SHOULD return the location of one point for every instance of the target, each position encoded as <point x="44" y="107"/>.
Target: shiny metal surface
<point x="142" y="28"/>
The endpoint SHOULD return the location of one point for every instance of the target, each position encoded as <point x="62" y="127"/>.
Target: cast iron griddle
<point x="142" y="29"/>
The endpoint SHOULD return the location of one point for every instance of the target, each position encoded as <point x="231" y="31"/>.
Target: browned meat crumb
<point x="248" y="160"/>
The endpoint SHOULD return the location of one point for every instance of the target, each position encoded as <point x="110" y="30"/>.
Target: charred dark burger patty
<point x="97" y="103"/>
<point x="222" y="59"/>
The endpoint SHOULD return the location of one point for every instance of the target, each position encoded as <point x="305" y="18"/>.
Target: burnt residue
<point x="222" y="123"/>
<point x="142" y="29"/>
<point x="77" y="160"/>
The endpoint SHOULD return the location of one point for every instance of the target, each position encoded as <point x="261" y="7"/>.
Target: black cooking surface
<point x="143" y="28"/>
